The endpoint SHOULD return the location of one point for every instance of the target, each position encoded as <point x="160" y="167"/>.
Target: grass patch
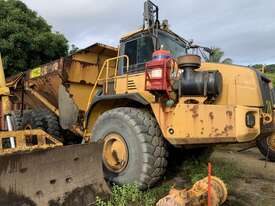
<point x="130" y="195"/>
<point x="196" y="170"/>
<point x="191" y="169"/>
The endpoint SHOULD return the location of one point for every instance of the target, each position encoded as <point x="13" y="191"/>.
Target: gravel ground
<point x="256" y="187"/>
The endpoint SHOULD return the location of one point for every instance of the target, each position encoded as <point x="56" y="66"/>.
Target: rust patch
<point x="84" y="64"/>
<point x="228" y="127"/>
<point x="211" y="115"/>
<point x="195" y="115"/>
<point x="229" y="114"/>
<point x="194" y="110"/>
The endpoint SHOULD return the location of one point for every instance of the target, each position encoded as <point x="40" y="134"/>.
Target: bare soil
<point x="256" y="186"/>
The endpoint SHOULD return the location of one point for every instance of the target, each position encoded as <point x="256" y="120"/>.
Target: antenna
<point x="151" y="15"/>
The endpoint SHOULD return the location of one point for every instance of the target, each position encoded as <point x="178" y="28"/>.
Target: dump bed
<point x="77" y="73"/>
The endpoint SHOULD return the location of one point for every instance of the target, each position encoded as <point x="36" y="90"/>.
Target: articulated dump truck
<point x="124" y="107"/>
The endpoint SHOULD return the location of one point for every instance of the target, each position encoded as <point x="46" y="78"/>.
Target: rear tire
<point x="147" y="153"/>
<point x="21" y="120"/>
<point x="47" y="121"/>
<point x="37" y="119"/>
<point x="266" y="145"/>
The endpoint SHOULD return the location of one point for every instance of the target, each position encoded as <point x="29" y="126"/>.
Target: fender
<point x="135" y="97"/>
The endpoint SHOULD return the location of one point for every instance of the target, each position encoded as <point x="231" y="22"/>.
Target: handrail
<point x="107" y="63"/>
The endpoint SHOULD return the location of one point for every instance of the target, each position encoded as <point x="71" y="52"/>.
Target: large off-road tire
<point x="46" y="120"/>
<point x="21" y="120"/>
<point x="266" y="145"/>
<point x="136" y="144"/>
<point x="36" y="119"/>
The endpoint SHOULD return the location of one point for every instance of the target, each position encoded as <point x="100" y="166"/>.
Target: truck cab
<point x="139" y="47"/>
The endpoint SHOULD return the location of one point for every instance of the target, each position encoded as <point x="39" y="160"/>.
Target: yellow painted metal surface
<point x="5" y="92"/>
<point x="115" y="153"/>
<point x="223" y="121"/>
<point x="135" y="84"/>
<point x="24" y="140"/>
<point x="80" y="94"/>
<point x="243" y="133"/>
<point x="240" y="85"/>
<point x="202" y="124"/>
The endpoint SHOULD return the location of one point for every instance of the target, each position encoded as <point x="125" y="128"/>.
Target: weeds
<point x="191" y="169"/>
<point x="130" y="195"/>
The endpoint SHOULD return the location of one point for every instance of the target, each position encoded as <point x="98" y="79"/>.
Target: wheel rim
<point x="115" y="153"/>
<point x="271" y="142"/>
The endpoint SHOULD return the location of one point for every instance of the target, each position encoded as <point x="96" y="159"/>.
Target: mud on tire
<point x="146" y="146"/>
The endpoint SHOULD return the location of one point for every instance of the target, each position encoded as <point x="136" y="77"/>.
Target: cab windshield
<point x="176" y="47"/>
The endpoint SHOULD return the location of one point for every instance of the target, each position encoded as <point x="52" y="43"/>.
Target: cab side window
<point x="139" y="52"/>
<point x="131" y="52"/>
<point x="145" y="49"/>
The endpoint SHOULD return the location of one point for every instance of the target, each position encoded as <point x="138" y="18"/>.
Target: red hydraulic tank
<point x="157" y="73"/>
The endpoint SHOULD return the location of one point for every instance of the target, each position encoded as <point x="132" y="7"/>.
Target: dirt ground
<point x="256" y="186"/>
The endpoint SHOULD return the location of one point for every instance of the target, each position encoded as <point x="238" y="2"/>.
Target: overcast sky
<point x="244" y="29"/>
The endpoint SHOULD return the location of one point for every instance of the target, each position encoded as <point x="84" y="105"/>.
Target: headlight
<point x="156" y="73"/>
<point x="250" y="119"/>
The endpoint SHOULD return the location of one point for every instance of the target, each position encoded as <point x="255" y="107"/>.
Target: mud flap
<point x="62" y="176"/>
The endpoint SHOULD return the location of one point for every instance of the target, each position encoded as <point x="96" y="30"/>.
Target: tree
<point x="73" y="49"/>
<point x="217" y="56"/>
<point x="26" y="39"/>
<point x="267" y="67"/>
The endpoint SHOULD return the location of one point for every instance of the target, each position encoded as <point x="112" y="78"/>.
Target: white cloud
<point x="244" y="29"/>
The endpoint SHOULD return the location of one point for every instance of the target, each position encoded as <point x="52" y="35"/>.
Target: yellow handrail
<point x="107" y="63"/>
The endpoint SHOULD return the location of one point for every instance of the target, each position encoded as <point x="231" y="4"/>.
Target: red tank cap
<point x="162" y="54"/>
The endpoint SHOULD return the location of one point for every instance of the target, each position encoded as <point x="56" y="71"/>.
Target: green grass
<point x="191" y="170"/>
<point x="271" y="76"/>
<point x="130" y="195"/>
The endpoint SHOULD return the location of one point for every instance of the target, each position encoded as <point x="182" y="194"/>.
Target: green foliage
<point x="268" y="68"/>
<point x="192" y="169"/>
<point x="217" y="56"/>
<point x="26" y="40"/>
<point x="196" y="169"/>
<point x="271" y="76"/>
<point x="130" y="195"/>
